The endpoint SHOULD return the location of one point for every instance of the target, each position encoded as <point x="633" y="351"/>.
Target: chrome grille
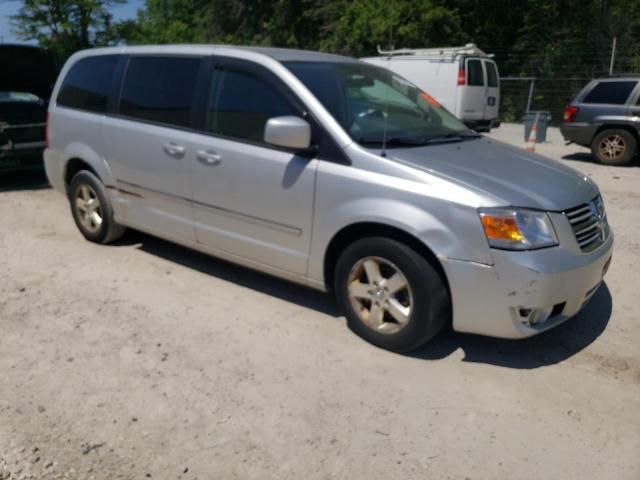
<point x="589" y="224"/>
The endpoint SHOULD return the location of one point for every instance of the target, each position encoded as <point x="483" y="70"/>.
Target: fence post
<point x="530" y="99"/>
<point x="613" y="56"/>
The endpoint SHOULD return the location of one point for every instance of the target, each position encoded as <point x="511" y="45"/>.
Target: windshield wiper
<point x="419" y="141"/>
<point x="393" y="140"/>
<point x="457" y="135"/>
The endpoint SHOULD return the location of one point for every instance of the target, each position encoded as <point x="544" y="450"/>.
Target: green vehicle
<point x="26" y="81"/>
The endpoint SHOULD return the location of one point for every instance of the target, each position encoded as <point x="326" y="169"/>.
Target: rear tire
<point x="391" y="295"/>
<point x="614" y="147"/>
<point x="92" y="210"/>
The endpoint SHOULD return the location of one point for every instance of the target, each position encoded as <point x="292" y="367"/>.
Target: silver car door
<point x="151" y="136"/>
<point x="251" y="200"/>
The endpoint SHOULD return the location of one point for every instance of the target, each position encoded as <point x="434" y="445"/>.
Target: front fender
<point x="345" y="197"/>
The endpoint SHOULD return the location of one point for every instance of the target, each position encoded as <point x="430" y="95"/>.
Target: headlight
<point x="516" y="229"/>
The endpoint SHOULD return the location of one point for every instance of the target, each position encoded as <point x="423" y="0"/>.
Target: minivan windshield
<point x="373" y="104"/>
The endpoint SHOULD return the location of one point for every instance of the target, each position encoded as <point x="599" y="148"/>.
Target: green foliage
<point x="284" y="23"/>
<point x="561" y="42"/>
<point x="542" y="36"/>
<point x="65" y="26"/>
<point x="362" y="25"/>
<point x="165" y="21"/>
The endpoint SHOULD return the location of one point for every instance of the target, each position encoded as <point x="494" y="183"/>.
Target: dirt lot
<point x="146" y="360"/>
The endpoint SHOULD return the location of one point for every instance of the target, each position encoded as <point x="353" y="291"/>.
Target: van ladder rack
<point x="468" y="49"/>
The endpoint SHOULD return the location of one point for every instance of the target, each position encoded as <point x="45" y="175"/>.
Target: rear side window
<point x="615" y="93"/>
<point x="492" y="74"/>
<point x="240" y="104"/>
<point x="160" y="89"/>
<point x="88" y="83"/>
<point x="475" y="75"/>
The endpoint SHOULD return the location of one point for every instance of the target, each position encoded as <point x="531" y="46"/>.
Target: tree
<point x="283" y="23"/>
<point x="165" y="21"/>
<point x="65" y="26"/>
<point x="361" y="25"/>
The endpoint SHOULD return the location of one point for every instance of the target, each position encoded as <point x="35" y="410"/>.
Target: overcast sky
<point x="11" y="7"/>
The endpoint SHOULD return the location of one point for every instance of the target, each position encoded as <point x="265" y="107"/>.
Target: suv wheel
<point x="92" y="210"/>
<point x="614" y="147"/>
<point x="391" y="295"/>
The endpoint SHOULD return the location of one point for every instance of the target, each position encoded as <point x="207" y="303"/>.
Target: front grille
<point x="589" y="224"/>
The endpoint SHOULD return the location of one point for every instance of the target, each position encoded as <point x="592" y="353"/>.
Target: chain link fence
<point x="548" y="79"/>
<point x="548" y="94"/>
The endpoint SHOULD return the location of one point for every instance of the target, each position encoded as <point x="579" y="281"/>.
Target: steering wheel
<point x="370" y="112"/>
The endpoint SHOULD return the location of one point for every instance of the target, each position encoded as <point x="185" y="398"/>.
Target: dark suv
<point x="28" y="75"/>
<point x="605" y="116"/>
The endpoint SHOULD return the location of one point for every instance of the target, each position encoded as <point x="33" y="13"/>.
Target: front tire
<point x="92" y="210"/>
<point x="614" y="147"/>
<point x="391" y="295"/>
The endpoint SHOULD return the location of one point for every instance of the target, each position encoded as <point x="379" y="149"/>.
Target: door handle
<point x="209" y="157"/>
<point x="174" y="150"/>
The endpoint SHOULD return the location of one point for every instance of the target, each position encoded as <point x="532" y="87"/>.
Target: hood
<point x="510" y="174"/>
<point x="27" y="69"/>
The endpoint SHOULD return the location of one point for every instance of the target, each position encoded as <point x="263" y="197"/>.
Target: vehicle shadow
<point x="27" y="179"/>
<point x="287" y="291"/>
<point x="548" y="348"/>
<point x="580" y="157"/>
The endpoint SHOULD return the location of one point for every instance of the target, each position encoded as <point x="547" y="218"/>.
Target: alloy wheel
<point x="88" y="208"/>
<point x="612" y="147"/>
<point x="380" y="295"/>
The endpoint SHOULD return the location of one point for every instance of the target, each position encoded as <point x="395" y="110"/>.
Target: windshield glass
<point x="372" y="102"/>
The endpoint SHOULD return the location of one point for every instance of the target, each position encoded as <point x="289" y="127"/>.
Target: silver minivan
<point x="329" y="172"/>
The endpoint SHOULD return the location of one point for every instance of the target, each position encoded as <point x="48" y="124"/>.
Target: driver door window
<point x="240" y="105"/>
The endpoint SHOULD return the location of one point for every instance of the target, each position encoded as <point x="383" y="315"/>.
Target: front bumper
<point x="524" y="293"/>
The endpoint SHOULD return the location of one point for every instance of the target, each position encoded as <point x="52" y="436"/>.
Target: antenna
<point x="383" y="153"/>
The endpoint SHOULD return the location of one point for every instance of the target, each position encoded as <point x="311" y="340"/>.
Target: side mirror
<point x="289" y="132"/>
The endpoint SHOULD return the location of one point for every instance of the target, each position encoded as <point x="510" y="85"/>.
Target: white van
<point x="463" y="79"/>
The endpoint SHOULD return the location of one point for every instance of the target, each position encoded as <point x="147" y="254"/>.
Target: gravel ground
<point x="146" y="360"/>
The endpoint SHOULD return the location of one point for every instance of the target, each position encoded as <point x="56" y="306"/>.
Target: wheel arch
<point x="75" y="165"/>
<point x="357" y="231"/>
<point x="617" y="126"/>
<point x="82" y="157"/>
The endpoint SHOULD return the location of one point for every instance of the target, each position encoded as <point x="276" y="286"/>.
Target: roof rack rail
<point x="468" y="49"/>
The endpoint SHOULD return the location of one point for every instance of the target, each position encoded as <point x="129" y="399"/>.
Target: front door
<point x="252" y="200"/>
